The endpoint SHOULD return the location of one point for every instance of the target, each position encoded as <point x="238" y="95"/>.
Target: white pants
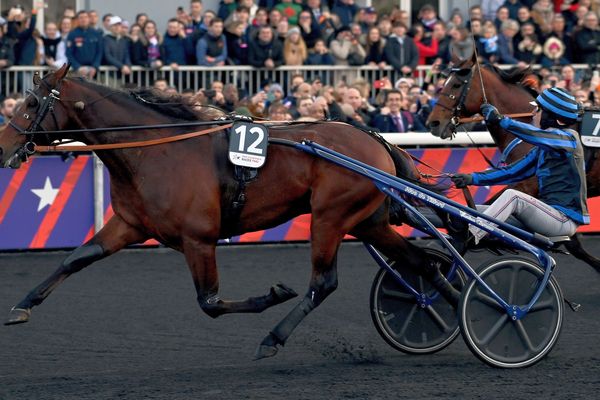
<point x="535" y="215"/>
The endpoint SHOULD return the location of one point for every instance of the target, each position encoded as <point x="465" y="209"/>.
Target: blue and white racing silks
<point x="557" y="161"/>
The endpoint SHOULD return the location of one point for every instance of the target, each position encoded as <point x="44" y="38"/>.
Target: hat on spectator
<point x="342" y="29"/>
<point x="114" y="20"/>
<point x="275" y="87"/>
<point x="400" y="81"/>
<point x="554" y="48"/>
<point x="295" y="29"/>
<point x="370" y="10"/>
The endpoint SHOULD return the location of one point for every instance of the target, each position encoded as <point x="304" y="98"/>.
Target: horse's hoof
<point x="266" y="348"/>
<point x="18" y="316"/>
<point x="264" y="351"/>
<point x="283" y="292"/>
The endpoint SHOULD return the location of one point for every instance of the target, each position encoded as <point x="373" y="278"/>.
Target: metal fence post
<point x="98" y="193"/>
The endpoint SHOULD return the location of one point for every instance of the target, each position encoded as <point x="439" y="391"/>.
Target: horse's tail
<point x="406" y="169"/>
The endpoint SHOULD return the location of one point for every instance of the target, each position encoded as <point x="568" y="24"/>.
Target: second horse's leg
<point x="113" y="237"/>
<point x="201" y="260"/>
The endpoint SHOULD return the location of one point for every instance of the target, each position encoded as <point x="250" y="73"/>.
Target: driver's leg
<point x="534" y="214"/>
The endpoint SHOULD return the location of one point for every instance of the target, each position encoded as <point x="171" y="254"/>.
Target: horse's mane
<point x="174" y="106"/>
<point x="523" y="77"/>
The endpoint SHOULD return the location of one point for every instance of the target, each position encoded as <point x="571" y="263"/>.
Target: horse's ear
<point x="36" y="79"/>
<point x="62" y="72"/>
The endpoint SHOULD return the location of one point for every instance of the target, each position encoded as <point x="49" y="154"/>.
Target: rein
<point x="126" y="145"/>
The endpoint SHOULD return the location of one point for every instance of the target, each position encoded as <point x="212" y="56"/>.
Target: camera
<point x="210" y="93"/>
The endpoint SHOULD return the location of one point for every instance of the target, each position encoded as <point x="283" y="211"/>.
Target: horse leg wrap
<point x="284" y="329"/>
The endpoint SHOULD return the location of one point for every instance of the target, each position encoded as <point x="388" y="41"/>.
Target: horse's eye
<point x="456" y="85"/>
<point x="32" y="102"/>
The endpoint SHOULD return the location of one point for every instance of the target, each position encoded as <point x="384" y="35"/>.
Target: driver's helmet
<point x="561" y="104"/>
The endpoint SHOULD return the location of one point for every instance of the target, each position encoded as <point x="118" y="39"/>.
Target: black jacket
<point x="259" y="52"/>
<point x="400" y="55"/>
<point x="6" y="51"/>
<point x="587" y="44"/>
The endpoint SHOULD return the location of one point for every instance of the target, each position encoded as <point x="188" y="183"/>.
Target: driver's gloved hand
<point x="462" y="180"/>
<point x="490" y="114"/>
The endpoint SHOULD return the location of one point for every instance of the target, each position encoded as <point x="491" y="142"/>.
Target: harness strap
<point x="141" y="143"/>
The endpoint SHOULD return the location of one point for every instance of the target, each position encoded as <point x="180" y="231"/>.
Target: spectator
<point x="176" y="47"/>
<point x="559" y="32"/>
<point x="7" y="55"/>
<point x="116" y="48"/>
<point x="501" y="16"/>
<point x="106" y="24"/>
<point x="475" y="13"/>
<point x="208" y="16"/>
<point x="374" y="48"/>
<point x="84" y="47"/>
<point x="513" y="8"/>
<point x="261" y="18"/>
<point x="542" y="14"/>
<point x="369" y="19"/>
<point x="461" y="44"/>
<point x="281" y="32"/>
<point x="51" y="41"/>
<point x="391" y="117"/>
<point x="310" y="30"/>
<point x="231" y="95"/>
<point x="570" y="81"/>
<point x="424" y="50"/>
<point x="7" y="107"/>
<point x="358" y="117"/>
<point x="401" y="16"/>
<point x="61" y="48"/>
<point x="476" y="29"/>
<point x="195" y="18"/>
<point x="146" y="50"/>
<point x="211" y="49"/>
<point x="94" y="22"/>
<point x="278" y="112"/>
<point x="400" y="51"/>
<point x="237" y="45"/>
<point x="553" y="52"/>
<point x="303" y="89"/>
<point x="456" y="19"/>
<point x="141" y="19"/>
<point x="587" y="41"/>
<point x="345" y="48"/>
<point x="346" y="11"/>
<point x="529" y="49"/>
<point x="21" y="30"/>
<point x="441" y="35"/>
<point x="506" y="48"/>
<point x="488" y="43"/>
<point x="385" y="27"/>
<point x="524" y="17"/>
<point x="160" y="85"/>
<point x="428" y="17"/>
<point x="294" y="48"/>
<point x="489" y="8"/>
<point x="317" y="10"/>
<point x="226" y="7"/>
<point x="275" y="94"/>
<point x="320" y="109"/>
<point x="266" y="52"/>
<point x="305" y="104"/>
<point x="290" y="9"/>
<point x="274" y="18"/>
<point x="320" y="55"/>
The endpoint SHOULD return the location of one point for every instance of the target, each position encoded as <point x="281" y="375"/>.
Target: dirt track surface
<point x="129" y="327"/>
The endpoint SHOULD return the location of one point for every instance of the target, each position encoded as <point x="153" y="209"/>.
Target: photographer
<point x="345" y="48"/>
<point x="21" y="29"/>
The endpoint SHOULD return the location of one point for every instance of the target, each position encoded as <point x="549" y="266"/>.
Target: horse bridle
<point x="458" y="107"/>
<point x="44" y="106"/>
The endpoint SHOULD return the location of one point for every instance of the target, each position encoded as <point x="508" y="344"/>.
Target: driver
<point x="557" y="160"/>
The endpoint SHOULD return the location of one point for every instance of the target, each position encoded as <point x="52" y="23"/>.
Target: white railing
<point x="19" y="78"/>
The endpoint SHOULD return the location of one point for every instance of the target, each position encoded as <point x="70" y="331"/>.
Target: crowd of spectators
<point x="269" y="33"/>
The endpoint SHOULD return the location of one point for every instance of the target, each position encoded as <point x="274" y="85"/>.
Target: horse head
<point x="34" y="116"/>
<point x="460" y="97"/>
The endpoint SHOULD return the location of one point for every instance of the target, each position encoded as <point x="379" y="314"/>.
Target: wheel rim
<point x="400" y="319"/>
<point x="492" y="334"/>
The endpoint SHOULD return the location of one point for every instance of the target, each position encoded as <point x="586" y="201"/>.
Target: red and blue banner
<point x="48" y="202"/>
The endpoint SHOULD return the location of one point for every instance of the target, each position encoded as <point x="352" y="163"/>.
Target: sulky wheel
<point x="489" y="331"/>
<point x="400" y="319"/>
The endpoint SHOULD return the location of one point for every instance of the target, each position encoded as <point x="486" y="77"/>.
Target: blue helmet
<point x="560" y="103"/>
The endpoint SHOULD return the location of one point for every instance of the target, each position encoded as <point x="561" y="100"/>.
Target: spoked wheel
<point x="399" y="318"/>
<point x="489" y="331"/>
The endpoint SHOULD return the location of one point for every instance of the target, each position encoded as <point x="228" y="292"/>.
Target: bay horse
<point x="462" y="96"/>
<point x="181" y="193"/>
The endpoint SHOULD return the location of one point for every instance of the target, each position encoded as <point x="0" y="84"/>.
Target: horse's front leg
<point x="115" y="235"/>
<point x="200" y="256"/>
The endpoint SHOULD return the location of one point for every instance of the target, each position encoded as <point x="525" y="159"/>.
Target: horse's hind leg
<point x="575" y="247"/>
<point x="396" y="247"/>
<point x="325" y="244"/>
<point x="115" y="235"/>
<point x="201" y="260"/>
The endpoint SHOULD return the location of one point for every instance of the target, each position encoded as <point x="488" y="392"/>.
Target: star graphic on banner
<point x="47" y="194"/>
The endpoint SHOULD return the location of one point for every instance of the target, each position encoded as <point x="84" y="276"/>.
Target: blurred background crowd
<point x="267" y="34"/>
